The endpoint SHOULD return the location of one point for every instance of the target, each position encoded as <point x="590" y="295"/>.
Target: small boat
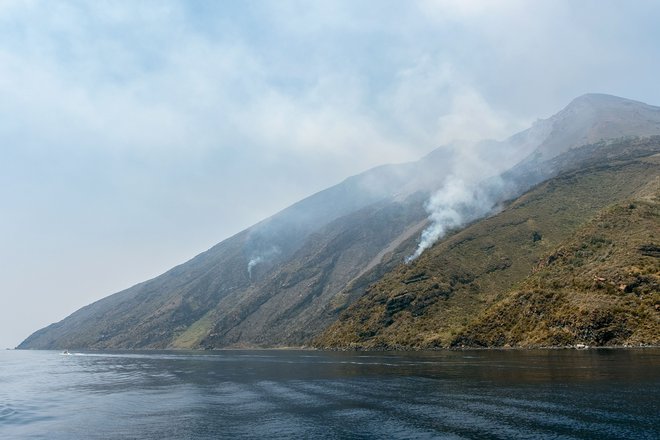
<point x="66" y="352"/>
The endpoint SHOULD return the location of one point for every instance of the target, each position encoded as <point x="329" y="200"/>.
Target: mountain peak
<point x="592" y="117"/>
<point x="601" y="101"/>
<point x="599" y="98"/>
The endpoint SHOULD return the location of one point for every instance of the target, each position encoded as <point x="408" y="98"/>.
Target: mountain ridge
<point x="284" y="280"/>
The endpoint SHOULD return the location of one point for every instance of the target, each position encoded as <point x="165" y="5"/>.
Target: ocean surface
<point x="544" y="394"/>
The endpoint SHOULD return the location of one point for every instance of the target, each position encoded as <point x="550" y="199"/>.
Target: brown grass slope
<point x="431" y="302"/>
<point x="600" y="287"/>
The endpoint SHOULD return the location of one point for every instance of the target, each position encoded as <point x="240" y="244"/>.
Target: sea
<point x="294" y="394"/>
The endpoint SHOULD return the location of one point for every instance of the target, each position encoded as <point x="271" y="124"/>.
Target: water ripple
<point x="281" y="394"/>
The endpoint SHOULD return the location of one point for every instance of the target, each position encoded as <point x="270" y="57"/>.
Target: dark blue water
<point x="554" y="394"/>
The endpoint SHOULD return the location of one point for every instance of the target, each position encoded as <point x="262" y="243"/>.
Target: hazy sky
<point x="134" y="135"/>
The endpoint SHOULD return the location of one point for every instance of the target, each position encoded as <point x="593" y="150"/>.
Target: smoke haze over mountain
<point x="135" y="135"/>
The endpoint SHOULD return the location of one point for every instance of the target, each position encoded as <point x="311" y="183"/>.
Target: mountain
<point x="234" y="281"/>
<point x="451" y="294"/>
<point x="304" y="274"/>
<point x="594" y="117"/>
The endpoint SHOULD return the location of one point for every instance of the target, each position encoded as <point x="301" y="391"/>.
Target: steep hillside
<point x="427" y="303"/>
<point x="284" y="280"/>
<point x="600" y="287"/>
<point x="286" y="308"/>
<point x="181" y="307"/>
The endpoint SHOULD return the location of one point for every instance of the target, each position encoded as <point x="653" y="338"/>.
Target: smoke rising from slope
<point x="475" y="186"/>
<point x="455" y="204"/>
<point x="253" y="262"/>
<point x="260" y="258"/>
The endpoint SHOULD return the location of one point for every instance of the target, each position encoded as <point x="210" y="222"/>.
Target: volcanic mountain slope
<point x="600" y="287"/>
<point x="287" y="307"/>
<point x="286" y="279"/>
<point x="227" y="282"/>
<point x="469" y="275"/>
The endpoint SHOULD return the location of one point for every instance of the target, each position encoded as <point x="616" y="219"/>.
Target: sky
<point x="137" y="134"/>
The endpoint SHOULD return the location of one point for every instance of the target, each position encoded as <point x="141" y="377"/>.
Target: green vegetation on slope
<point x="430" y="302"/>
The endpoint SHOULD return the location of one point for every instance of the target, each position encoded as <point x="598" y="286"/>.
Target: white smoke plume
<point x="454" y="205"/>
<point x="261" y="258"/>
<point x="475" y="186"/>
<point x="253" y="262"/>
